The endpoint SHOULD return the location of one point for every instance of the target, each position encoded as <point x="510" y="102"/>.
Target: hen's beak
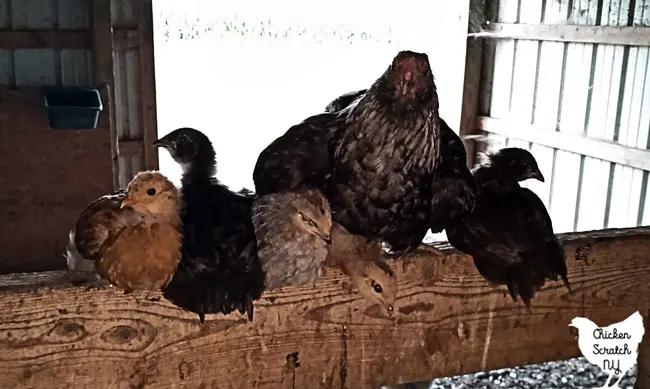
<point x="327" y="238"/>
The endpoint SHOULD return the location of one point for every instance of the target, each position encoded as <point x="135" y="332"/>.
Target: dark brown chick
<point x="144" y="253"/>
<point x="293" y="236"/>
<point x="360" y="259"/>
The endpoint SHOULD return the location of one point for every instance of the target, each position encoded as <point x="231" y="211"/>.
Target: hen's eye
<point x="377" y="287"/>
<point x="151" y="191"/>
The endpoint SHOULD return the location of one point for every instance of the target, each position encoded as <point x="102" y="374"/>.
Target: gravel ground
<point x="572" y="374"/>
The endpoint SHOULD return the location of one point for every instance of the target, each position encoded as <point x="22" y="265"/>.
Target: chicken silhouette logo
<point x="613" y="348"/>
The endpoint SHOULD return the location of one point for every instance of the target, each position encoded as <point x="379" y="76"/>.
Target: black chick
<point x="378" y="156"/>
<point x="453" y="184"/>
<point x="219" y="271"/>
<point x="510" y="233"/>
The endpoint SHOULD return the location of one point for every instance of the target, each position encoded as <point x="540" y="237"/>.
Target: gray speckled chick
<point x="293" y="236"/>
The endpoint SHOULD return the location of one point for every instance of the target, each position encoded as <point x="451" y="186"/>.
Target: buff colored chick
<point x="136" y="246"/>
<point x="360" y="259"/>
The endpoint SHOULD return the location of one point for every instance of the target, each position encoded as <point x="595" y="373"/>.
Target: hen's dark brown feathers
<point x="381" y="156"/>
<point x="453" y="184"/>
<point x="300" y="153"/>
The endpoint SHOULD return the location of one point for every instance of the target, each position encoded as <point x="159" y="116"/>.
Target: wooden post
<point x="147" y="84"/>
<point x="103" y="72"/>
<point x="471" y="85"/>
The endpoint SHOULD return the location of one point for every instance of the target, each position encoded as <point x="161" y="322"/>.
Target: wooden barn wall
<point x="47" y="175"/>
<point x="596" y="90"/>
<point x="126" y="67"/>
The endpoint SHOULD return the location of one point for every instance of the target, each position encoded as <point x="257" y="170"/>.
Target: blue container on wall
<point x="72" y="107"/>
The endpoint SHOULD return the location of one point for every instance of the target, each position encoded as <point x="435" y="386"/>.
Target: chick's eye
<point x="151" y="191"/>
<point x="377" y="288"/>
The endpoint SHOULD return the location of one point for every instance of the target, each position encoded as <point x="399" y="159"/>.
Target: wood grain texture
<point x="571" y="33"/>
<point x="571" y="141"/>
<point x="147" y="84"/>
<point x="60" y="331"/>
<point x="104" y="72"/>
<point x="48" y="176"/>
<point x="124" y="39"/>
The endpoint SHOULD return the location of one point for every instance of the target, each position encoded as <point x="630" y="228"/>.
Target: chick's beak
<point x="390" y="310"/>
<point x="162" y="142"/>
<point x="127" y="202"/>
<point x="327" y="238"/>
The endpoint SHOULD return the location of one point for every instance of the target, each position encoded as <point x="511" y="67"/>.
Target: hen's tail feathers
<point x="74" y="259"/>
<point x="211" y="293"/>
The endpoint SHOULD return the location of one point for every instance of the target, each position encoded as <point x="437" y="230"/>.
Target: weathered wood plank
<point x="147" y="84"/>
<point x="580" y="144"/>
<point x="62" y="39"/>
<point x="612" y="35"/>
<point x="103" y="71"/>
<point x="56" y="332"/>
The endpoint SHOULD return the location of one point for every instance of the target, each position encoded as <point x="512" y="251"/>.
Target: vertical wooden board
<point x="616" y="110"/>
<point x="572" y="108"/>
<point x="524" y="75"/>
<point x="547" y="101"/>
<point x="5" y="14"/>
<point x="75" y="67"/>
<point x="7" y="67"/>
<point x="594" y="193"/>
<point x="35" y="67"/>
<point x="33" y="14"/>
<point x="73" y="14"/>
<point x="125" y="170"/>
<point x="121" y="96"/>
<point x="147" y="83"/>
<point x="644" y="142"/>
<point x="133" y="130"/>
<point x="595" y="180"/>
<point x="626" y="188"/>
<point x="524" y="67"/>
<point x="124" y="13"/>
<point x="503" y="63"/>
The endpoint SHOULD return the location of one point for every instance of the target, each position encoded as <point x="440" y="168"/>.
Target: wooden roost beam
<point x="59" y="330"/>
